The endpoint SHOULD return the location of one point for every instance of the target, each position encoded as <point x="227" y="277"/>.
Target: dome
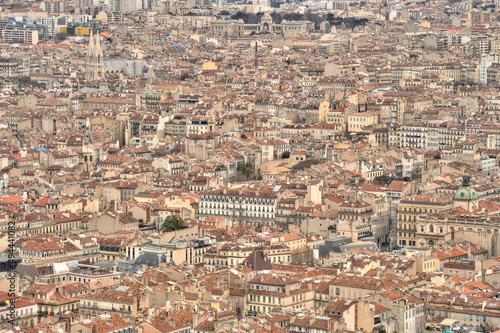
<point x="466" y="193"/>
<point x="266" y="18"/>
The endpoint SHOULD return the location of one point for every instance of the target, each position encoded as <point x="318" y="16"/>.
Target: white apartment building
<point x="243" y="205"/>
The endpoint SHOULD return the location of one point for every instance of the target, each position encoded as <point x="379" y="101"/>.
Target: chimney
<point x="94" y="328"/>
<point x="144" y="268"/>
<point x="311" y="320"/>
<point x="144" y="281"/>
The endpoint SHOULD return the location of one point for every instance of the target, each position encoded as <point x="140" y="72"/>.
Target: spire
<point x="94" y="68"/>
<point x="91" y="44"/>
<point x="97" y="43"/>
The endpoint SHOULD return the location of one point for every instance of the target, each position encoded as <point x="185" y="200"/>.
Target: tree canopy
<point x="245" y="168"/>
<point x="303" y="165"/>
<point x="383" y="180"/>
<point x="172" y="223"/>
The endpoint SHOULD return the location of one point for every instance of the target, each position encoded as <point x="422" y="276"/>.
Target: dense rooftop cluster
<point x="249" y="166"/>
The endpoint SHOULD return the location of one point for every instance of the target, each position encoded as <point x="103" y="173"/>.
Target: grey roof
<point x="333" y="244"/>
<point x="257" y="262"/>
<point x="113" y="63"/>
<point x="151" y="259"/>
<point x="361" y="245"/>
<point x="344" y="244"/>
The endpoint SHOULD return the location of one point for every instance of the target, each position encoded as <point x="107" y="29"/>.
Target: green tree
<point x="382" y="180"/>
<point x="224" y="12"/>
<point x="59" y="37"/>
<point x="172" y="223"/>
<point x="276" y="17"/>
<point x="294" y="17"/>
<point x="240" y="15"/>
<point x="286" y="154"/>
<point x="303" y="165"/>
<point x="245" y="168"/>
<point x="486" y="328"/>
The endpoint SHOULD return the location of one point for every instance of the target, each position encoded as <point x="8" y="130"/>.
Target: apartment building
<point x="270" y="292"/>
<point x="409" y="209"/>
<point x="251" y="205"/>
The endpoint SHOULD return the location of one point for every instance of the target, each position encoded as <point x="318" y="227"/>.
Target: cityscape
<point x="249" y="166"/>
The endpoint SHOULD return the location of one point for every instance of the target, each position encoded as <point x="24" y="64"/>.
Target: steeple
<point x="90" y="49"/>
<point x="98" y="49"/>
<point x="94" y="69"/>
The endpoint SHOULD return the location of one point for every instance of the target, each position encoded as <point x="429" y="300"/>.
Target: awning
<point x="448" y="322"/>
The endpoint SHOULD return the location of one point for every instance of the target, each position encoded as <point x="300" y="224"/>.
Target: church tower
<point x="94" y="69"/>
<point x="466" y="197"/>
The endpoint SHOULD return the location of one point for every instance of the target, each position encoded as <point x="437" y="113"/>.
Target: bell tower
<point x="466" y="197"/>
